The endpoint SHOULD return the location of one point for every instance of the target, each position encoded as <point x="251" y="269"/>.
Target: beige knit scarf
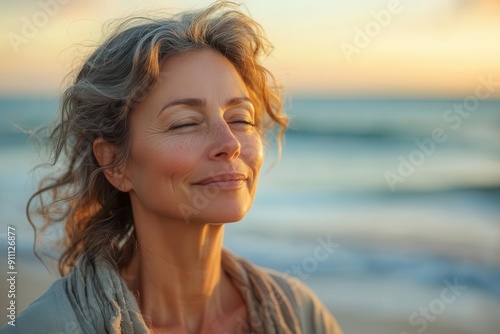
<point x="104" y="304"/>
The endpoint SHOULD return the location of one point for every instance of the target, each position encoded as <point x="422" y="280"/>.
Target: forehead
<point x="199" y="74"/>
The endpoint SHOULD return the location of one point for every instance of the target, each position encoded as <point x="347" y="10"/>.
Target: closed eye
<point x="242" y="122"/>
<point x="180" y="126"/>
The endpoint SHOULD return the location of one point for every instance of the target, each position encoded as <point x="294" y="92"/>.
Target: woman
<point x="163" y="133"/>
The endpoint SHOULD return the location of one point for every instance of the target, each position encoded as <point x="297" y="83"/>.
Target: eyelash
<point x="244" y="122"/>
<point x="193" y="124"/>
<point x="175" y="127"/>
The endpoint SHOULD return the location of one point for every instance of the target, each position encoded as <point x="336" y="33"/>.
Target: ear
<point x="105" y="154"/>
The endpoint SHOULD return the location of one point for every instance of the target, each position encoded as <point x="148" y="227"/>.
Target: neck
<point x="176" y="274"/>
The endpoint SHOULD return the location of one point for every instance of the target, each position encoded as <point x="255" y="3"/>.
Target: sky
<point x="363" y="48"/>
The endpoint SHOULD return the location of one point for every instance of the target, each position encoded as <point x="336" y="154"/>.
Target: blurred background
<point x="391" y="165"/>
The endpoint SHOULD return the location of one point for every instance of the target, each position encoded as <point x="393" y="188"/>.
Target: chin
<point x="225" y="217"/>
<point x="222" y="214"/>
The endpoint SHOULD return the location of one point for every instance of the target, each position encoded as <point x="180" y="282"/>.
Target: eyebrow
<point x="238" y="100"/>
<point x="201" y="103"/>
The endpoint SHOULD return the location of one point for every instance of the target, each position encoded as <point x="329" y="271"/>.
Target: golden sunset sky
<point x="426" y="48"/>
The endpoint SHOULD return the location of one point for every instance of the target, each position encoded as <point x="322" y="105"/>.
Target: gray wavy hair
<point x="96" y="217"/>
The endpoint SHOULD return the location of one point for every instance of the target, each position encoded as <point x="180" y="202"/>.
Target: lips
<point x="228" y="179"/>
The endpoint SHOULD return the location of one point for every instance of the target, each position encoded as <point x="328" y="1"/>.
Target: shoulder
<point x="49" y="313"/>
<point x="313" y="316"/>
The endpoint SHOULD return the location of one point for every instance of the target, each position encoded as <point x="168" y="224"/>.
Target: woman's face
<point x="195" y="153"/>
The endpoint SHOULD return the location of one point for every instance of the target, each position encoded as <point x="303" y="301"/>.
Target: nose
<point x="225" y="145"/>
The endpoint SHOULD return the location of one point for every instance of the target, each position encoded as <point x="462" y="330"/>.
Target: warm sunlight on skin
<point x="194" y="140"/>
<point x="194" y="161"/>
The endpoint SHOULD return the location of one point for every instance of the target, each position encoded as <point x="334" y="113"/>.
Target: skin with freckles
<point x="194" y="161"/>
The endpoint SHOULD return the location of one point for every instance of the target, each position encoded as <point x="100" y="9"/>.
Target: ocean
<point x="371" y="200"/>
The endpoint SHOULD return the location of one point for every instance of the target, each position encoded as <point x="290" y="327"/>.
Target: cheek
<point x="253" y="152"/>
<point x="159" y="160"/>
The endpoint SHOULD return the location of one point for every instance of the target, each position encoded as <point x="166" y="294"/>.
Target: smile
<point x="224" y="181"/>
